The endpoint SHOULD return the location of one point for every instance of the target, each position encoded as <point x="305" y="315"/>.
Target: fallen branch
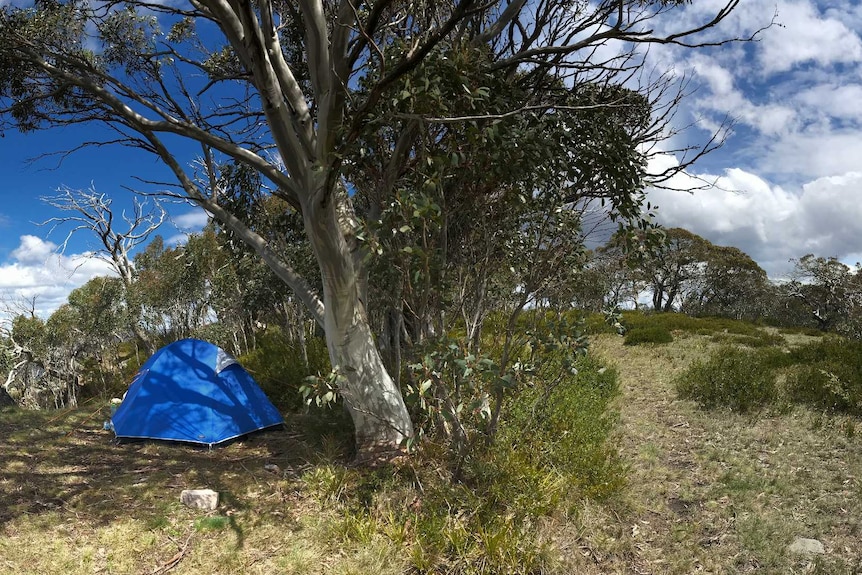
<point x="175" y="560"/>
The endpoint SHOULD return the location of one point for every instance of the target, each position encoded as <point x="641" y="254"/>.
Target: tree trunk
<point x="374" y="402"/>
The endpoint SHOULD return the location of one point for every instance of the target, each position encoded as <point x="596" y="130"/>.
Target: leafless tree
<point x="90" y="212"/>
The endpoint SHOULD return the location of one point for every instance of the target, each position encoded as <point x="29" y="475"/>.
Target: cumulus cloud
<point x="794" y="94"/>
<point x="769" y="222"/>
<point x="37" y="273"/>
<point x="806" y="35"/>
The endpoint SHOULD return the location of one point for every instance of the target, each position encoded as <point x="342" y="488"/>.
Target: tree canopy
<point x="344" y="111"/>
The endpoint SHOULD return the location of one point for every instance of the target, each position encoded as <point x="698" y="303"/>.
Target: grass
<point x="291" y="503"/>
<point x="73" y="502"/>
<point x="705" y="491"/>
<point x="722" y="492"/>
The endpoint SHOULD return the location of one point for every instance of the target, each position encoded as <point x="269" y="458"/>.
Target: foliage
<point x="652" y="334"/>
<point x="278" y="366"/>
<point x="680" y="322"/>
<point x="827" y="375"/>
<point x="672" y="265"/>
<point x="552" y="451"/>
<point x="761" y="339"/>
<point x="563" y="423"/>
<point x="614" y="318"/>
<point x="450" y="390"/>
<point x="727" y="283"/>
<point x="830" y="292"/>
<point x="738" y="379"/>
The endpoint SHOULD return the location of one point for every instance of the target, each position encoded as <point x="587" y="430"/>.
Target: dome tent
<point x="193" y="391"/>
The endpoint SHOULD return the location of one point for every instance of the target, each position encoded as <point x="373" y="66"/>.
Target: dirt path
<point x="718" y="492"/>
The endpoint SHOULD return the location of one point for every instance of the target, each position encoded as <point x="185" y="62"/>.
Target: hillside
<point x="706" y="491"/>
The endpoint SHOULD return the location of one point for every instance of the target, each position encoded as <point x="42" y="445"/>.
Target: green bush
<point x="562" y="425"/>
<point x="595" y="323"/>
<point x="551" y="448"/>
<point x="827" y="375"/>
<point x="277" y="366"/>
<point x="635" y="320"/>
<point x="742" y="380"/>
<point x="684" y="323"/>
<point x="650" y="334"/>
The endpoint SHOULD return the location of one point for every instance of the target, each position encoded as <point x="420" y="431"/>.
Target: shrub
<point x="278" y="367"/>
<point x="551" y="448"/>
<point x="680" y="322"/>
<point x="762" y="339"/>
<point x="742" y="380"/>
<point x="562" y="424"/>
<point x="652" y="334"/>
<point x="595" y="323"/>
<point x="827" y="375"/>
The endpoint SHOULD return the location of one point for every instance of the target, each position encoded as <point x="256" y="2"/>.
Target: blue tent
<point x="193" y="391"/>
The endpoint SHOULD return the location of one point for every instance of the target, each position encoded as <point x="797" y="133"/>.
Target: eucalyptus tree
<point x="830" y="291"/>
<point x="672" y="268"/>
<point x="728" y="283"/>
<point x="172" y="288"/>
<point x="286" y="88"/>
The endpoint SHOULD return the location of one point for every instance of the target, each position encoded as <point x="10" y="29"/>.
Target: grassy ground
<point x="717" y="492"/>
<point x="710" y="492"/>
<point x="73" y="502"/>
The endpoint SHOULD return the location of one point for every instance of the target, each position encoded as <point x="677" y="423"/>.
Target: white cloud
<point x="807" y="36"/>
<point x="33" y="250"/>
<point x="193" y="221"/>
<point x="725" y="98"/>
<point x="833" y="100"/>
<point x="37" y="272"/>
<point x="770" y="223"/>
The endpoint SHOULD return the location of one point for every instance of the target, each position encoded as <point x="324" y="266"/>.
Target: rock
<point x="803" y="546"/>
<point x="200" y="498"/>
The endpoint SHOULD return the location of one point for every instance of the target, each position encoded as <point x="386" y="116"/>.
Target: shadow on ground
<point x="65" y="462"/>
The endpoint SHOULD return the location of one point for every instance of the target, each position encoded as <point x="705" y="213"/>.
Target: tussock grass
<point x="717" y="491"/>
<point x="648" y="334"/>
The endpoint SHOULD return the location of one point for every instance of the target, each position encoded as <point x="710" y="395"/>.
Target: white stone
<point x="200" y="498"/>
<point x="803" y="546"/>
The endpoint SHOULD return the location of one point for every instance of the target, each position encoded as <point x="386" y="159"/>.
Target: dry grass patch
<point x="721" y="492"/>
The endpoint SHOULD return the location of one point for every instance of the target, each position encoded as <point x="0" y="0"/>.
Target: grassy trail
<point x="718" y="492"/>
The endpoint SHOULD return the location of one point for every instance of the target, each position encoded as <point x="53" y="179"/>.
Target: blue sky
<point x="789" y="178"/>
<point x="30" y="262"/>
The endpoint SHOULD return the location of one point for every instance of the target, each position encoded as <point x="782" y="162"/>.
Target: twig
<point x="65" y="413"/>
<point x="175" y="560"/>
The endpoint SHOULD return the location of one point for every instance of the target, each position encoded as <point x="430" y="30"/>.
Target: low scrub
<point x="279" y="367"/>
<point x="649" y="334"/>
<point x="827" y="375"/>
<point x="563" y="425"/>
<point x="679" y="322"/>
<point x="551" y="451"/>
<point x="739" y="379"/>
<point x="761" y="339"/>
